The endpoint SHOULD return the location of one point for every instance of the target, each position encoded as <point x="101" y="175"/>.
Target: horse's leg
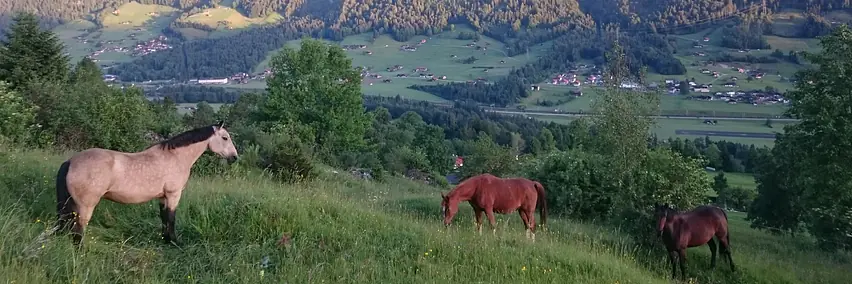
<point x="478" y="213"/>
<point x="673" y="261"/>
<point x="490" y="214"/>
<point x="725" y="245"/>
<point x="682" y="258"/>
<point x="84" y="214"/>
<point x="531" y="223"/>
<point x="712" y="245"/>
<point x="168" y="205"/>
<point x="526" y="222"/>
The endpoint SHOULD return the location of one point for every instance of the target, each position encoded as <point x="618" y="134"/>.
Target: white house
<point x="213" y="81"/>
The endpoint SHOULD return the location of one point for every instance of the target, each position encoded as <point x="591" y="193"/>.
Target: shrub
<point x="285" y="156"/>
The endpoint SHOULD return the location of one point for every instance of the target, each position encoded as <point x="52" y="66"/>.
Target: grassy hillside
<point x="227" y="18"/>
<point x="347" y="231"/>
<point x="133" y="14"/>
<point x="778" y="76"/>
<point x="122" y="30"/>
<point x="441" y="54"/>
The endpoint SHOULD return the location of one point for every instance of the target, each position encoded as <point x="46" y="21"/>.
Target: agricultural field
<point x="777" y="76"/>
<point x="670" y="104"/>
<point x="132" y="29"/>
<point x="739" y="180"/>
<point x="228" y="18"/>
<point x="740" y="131"/>
<point x="342" y="230"/>
<point x="440" y="55"/>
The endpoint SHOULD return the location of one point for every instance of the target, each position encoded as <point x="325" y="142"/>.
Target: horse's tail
<point x="66" y="207"/>
<point x="543" y="201"/>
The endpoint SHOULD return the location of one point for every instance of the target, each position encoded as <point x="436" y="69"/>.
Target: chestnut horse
<point x="488" y="193"/>
<point x="682" y="230"/>
<point x="161" y="171"/>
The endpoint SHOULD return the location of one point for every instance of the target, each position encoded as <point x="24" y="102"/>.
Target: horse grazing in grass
<point x="161" y="171"/>
<point x="488" y="193"/>
<point x="682" y="230"/>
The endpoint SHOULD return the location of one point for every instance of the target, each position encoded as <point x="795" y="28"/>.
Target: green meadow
<point x="342" y="230"/>
<point x="440" y="54"/>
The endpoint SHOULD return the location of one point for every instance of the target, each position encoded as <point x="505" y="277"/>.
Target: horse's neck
<point x="463" y="193"/>
<point x="186" y="155"/>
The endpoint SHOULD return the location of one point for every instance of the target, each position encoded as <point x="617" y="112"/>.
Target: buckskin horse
<point x="682" y="230"/>
<point x="488" y="193"/>
<point x="160" y="171"/>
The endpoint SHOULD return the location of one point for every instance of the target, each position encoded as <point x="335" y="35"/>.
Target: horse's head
<point x="662" y="213"/>
<point x="447" y="209"/>
<point x="222" y="144"/>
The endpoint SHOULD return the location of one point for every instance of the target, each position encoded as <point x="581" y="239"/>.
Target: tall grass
<point x="343" y="230"/>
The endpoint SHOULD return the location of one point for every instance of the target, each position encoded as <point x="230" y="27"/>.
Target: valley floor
<point x="343" y="230"/>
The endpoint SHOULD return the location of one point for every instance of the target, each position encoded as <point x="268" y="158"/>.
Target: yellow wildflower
<point x="524" y="268"/>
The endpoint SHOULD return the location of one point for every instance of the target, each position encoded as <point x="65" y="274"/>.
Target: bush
<point x="736" y="198"/>
<point x="285" y="156"/>
<point x="574" y="184"/>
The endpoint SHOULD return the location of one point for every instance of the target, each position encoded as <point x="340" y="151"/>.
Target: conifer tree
<point x="31" y="54"/>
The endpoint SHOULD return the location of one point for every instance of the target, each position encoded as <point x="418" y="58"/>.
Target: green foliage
<point x="92" y="114"/>
<point x="202" y="115"/>
<point x="737" y="198"/>
<point x="31" y="53"/>
<point x="489" y="157"/>
<point x="720" y="183"/>
<point x="746" y="35"/>
<point x="17" y="116"/>
<point x="284" y="155"/>
<point x="778" y="207"/>
<point x="167" y="122"/>
<point x="404" y="144"/>
<point x="622" y="126"/>
<point x="317" y="90"/>
<point x="576" y="183"/>
<point x="815" y="153"/>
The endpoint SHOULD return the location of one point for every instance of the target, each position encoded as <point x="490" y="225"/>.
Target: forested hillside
<point x="520" y="25"/>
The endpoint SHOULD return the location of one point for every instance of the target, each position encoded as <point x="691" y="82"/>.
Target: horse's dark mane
<point x="188" y="138"/>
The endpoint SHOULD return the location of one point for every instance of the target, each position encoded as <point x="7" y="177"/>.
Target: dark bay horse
<point x="682" y="230"/>
<point x="160" y="171"/>
<point x="488" y="193"/>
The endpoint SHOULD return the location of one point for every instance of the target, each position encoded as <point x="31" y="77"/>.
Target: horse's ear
<point x="221" y="124"/>
<point x="443" y="195"/>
